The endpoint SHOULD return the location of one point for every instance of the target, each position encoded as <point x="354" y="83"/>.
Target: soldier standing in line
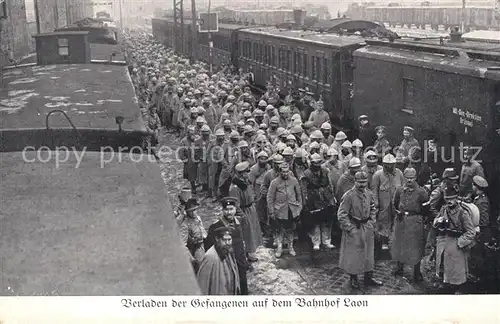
<point x="356" y="216"/>
<point x="408" y="237"/>
<point x="382" y="145"/>
<point x="242" y="190"/>
<point x="284" y="204"/>
<point x="192" y="232"/>
<point x="385" y="182"/>
<point x="256" y="177"/>
<point x="319" y="202"/>
<point x="470" y="168"/>
<point x="371" y="166"/>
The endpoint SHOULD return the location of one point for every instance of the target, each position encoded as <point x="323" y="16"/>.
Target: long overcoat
<point x="384" y="186"/>
<point x="356" y="215"/>
<point x="250" y="223"/>
<point x="455" y="250"/>
<point x="187" y="155"/>
<point x="408" y="241"/>
<point x="256" y="177"/>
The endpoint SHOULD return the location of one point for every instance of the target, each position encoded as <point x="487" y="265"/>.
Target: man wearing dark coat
<point x="408" y="236"/>
<point x="228" y="219"/>
<point x="218" y="271"/>
<point x="356" y="215"/>
<point x="366" y="133"/>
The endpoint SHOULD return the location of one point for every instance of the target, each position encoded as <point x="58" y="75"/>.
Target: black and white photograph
<point x="239" y="148"/>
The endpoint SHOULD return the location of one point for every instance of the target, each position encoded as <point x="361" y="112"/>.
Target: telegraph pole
<point x="37" y="17"/>
<point x="178" y="30"/>
<point x="121" y="15"/>
<point x="210" y="43"/>
<point x="194" y="32"/>
<point x="463" y="17"/>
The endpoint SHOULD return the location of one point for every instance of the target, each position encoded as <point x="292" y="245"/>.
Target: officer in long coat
<point x="347" y="180"/>
<point x="455" y="237"/>
<point x="356" y="216"/>
<point x="228" y="219"/>
<point x="385" y="182"/>
<point x="241" y="189"/>
<point x="408" y="237"/>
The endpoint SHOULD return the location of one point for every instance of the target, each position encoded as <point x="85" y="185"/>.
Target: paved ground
<point x="307" y="273"/>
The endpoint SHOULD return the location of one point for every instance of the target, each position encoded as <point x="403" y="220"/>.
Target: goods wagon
<point x="84" y="209"/>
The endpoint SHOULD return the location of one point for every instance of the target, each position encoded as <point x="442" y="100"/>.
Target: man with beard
<point x="218" y="271"/>
<point x="215" y="158"/>
<point x="365" y="131"/>
<point x="319" y="115"/>
<point x="256" y="177"/>
<point x="291" y="142"/>
<point x="272" y="132"/>
<point x="408" y="236"/>
<point x="229" y="220"/>
<point x="284" y="204"/>
<point x="319" y="202"/>
<point x="241" y="189"/>
<point x="385" y="182"/>
<point x="326" y="129"/>
<point x="347" y="180"/>
<point x="356" y="216"/>
<point x="243" y="154"/>
<point x="455" y="235"/>
<point x="288" y="155"/>
<point x="382" y="145"/>
<point x="371" y="166"/>
<point x="186" y="154"/>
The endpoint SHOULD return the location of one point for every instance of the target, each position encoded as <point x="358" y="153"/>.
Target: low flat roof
<point x="429" y="60"/>
<point x="487" y="36"/>
<point x="62" y="33"/>
<point x="92" y="95"/>
<point x="83" y="229"/>
<point x="329" y="39"/>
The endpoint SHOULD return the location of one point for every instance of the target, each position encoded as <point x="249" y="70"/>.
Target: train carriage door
<point x="492" y="169"/>
<point x="266" y="58"/>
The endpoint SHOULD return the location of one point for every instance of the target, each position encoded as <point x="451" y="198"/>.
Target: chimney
<point x="455" y="35"/>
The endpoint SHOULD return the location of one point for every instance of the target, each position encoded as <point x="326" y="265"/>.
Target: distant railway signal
<point x="208" y="23"/>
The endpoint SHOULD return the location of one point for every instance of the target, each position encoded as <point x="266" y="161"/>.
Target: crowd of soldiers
<point x="280" y="171"/>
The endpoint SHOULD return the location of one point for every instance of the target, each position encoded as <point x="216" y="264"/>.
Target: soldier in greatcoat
<point x="241" y="189"/>
<point x="256" y="177"/>
<point x="356" y="216"/>
<point x="169" y="106"/>
<point x="192" y="232"/>
<point x="455" y="237"/>
<point x="409" y="146"/>
<point x="203" y="144"/>
<point x="332" y="164"/>
<point x="187" y="151"/>
<point x="347" y="180"/>
<point x="382" y="145"/>
<point x="210" y="113"/>
<point x="470" y="168"/>
<point x="385" y="182"/>
<point x="269" y="176"/>
<point x="371" y="166"/>
<point x="319" y="203"/>
<point x="408" y="237"/>
<point x="215" y="157"/>
<point x="284" y="204"/>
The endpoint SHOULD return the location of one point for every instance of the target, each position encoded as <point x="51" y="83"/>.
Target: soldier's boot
<point x="417" y="275"/>
<point x="328" y="244"/>
<point x="399" y="269"/>
<point x="316" y="238"/>
<point x="354" y="282"/>
<point x="291" y="250"/>
<point x="326" y="237"/>
<point x="279" y="250"/>
<point x="370" y="281"/>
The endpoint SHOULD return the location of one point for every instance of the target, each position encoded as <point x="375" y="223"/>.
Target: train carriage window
<point x="305" y="65"/>
<point x="313" y="67"/>
<point x="325" y="71"/>
<point x="408" y="91"/>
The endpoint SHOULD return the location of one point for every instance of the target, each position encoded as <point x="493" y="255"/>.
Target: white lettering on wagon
<point x="467" y="118"/>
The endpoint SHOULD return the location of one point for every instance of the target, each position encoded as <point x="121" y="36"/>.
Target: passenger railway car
<point x="475" y="18"/>
<point x="297" y="58"/>
<point x="450" y="91"/>
<point x="84" y="209"/>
